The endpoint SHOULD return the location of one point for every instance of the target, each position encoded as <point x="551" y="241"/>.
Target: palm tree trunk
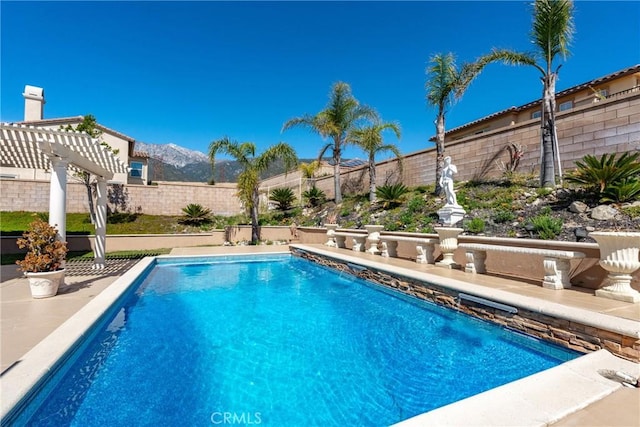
<point x="255" y="229"/>
<point x="336" y="172"/>
<point x="548" y="173"/>
<point x="372" y="179"/>
<point x="439" y="148"/>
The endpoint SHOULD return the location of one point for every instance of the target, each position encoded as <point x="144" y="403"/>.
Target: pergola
<point x="38" y="148"/>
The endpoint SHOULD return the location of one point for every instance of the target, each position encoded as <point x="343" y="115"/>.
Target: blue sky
<point x="193" y="72"/>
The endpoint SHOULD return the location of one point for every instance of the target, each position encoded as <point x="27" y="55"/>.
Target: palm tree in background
<point x="252" y="166"/>
<point x="551" y="34"/>
<point x="342" y="114"/>
<point x="308" y="171"/>
<point x="370" y="139"/>
<point x="445" y="85"/>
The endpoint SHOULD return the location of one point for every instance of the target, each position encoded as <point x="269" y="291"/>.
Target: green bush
<point x="607" y="176"/>
<point x="121" y="217"/>
<point x="626" y="191"/>
<point x="391" y="196"/>
<point x="546" y="226"/>
<point x="195" y="214"/>
<point x="475" y="225"/>
<point x="632" y="211"/>
<point x="283" y="197"/>
<point x="314" y="197"/>
<point x="502" y="215"/>
<point x="417" y="204"/>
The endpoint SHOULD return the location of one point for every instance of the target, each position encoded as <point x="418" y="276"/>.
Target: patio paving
<point x="26" y="321"/>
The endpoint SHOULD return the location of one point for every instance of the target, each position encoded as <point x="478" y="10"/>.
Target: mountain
<point x="172" y="154"/>
<point x="170" y="162"/>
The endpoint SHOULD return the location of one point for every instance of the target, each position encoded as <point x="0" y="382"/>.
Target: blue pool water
<point x="279" y="342"/>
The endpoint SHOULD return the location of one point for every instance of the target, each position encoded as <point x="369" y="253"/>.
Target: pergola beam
<point x="39" y="148"/>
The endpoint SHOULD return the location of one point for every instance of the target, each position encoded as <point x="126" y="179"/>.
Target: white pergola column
<point x="58" y="196"/>
<point x="101" y="224"/>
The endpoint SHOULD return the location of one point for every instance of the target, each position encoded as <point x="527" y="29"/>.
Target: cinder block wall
<point x="166" y="198"/>
<point x="609" y="126"/>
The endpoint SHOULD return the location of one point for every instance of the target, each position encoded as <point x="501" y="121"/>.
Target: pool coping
<point x="576" y="383"/>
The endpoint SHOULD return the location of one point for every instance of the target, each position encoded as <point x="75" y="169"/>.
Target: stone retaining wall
<point x="568" y="334"/>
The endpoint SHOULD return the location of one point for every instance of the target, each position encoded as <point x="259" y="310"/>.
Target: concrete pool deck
<point x="26" y="322"/>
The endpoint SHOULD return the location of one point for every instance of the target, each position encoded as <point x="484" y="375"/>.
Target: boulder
<point x="578" y="207"/>
<point x="603" y="213"/>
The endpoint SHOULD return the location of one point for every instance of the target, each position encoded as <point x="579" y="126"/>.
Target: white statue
<point x="446" y="182"/>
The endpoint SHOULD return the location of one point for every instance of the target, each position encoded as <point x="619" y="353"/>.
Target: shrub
<point x="284" y="197"/>
<point x="632" y="211"/>
<point x="417" y="204"/>
<point x="121" y="217"/>
<point x="391" y="196"/>
<point x="546" y="226"/>
<point x="502" y="215"/>
<point x="626" y="191"/>
<point x="475" y="226"/>
<point x="195" y="214"/>
<point x="599" y="175"/>
<point x="314" y="197"/>
<point x="44" y="252"/>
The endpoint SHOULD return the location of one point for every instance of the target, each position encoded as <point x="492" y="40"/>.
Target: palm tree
<point x="308" y="171"/>
<point x="252" y="166"/>
<point x="445" y="85"/>
<point x="370" y="139"/>
<point x="342" y="113"/>
<point x="551" y="34"/>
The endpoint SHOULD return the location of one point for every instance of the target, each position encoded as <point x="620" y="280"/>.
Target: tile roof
<point x="569" y="91"/>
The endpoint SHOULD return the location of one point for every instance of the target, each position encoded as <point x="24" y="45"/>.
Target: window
<point x="536" y="114"/>
<point x="136" y="169"/>
<point x="565" y="106"/>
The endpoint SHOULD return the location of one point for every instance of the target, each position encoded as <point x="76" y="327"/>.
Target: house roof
<point x="75" y="119"/>
<point x="569" y="91"/>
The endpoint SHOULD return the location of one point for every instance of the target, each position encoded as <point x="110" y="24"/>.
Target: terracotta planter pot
<point x="45" y="284"/>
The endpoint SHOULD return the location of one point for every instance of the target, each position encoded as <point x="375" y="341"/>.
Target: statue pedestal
<point x="450" y="215"/>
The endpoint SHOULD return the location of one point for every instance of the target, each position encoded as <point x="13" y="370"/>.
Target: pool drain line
<point x="488" y="303"/>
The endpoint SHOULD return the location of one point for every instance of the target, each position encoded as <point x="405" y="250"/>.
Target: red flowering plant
<point x="44" y="252"/>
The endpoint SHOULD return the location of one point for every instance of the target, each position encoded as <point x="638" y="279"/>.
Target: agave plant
<point x="284" y="197"/>
<point x="607" y="175"/>
<point x="195" y="214"/>
<point x="391" y="195"/>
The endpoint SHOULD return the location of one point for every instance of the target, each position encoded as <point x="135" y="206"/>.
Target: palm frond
<point x="441" y="76"/>
<point x="280" y="151"/>
<point x="553" y="27"/>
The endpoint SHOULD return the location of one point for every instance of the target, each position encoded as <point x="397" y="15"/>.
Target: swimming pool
<point x="300" y="344"/>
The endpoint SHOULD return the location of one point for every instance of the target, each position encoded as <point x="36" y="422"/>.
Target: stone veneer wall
<point x="569" y="334"/>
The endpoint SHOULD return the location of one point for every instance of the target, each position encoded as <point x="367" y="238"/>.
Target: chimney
<point x="33" y="103"/>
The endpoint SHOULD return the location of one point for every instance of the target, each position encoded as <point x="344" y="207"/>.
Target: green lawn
<point x="15" y="223"/>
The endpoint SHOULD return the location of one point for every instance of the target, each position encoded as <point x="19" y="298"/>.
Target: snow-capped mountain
<point x="172" y="154"/>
